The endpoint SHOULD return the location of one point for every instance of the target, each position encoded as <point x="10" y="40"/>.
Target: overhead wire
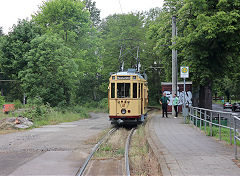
<point x="123" y="47"/>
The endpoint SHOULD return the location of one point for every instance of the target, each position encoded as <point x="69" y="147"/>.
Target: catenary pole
<point x="174" y="60"/>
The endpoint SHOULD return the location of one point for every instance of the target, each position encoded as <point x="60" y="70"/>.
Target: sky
<point x="12" y="10"/>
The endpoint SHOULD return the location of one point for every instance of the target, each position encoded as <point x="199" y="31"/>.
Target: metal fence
<point x="228" y="120"/>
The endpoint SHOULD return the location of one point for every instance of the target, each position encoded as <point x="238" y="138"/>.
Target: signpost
<point x="184" y="74"/>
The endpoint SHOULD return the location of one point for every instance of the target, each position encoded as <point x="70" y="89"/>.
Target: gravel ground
<point x="50" y="150"/>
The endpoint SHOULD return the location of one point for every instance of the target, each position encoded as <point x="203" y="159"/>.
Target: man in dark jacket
<point x="164" y="102"/>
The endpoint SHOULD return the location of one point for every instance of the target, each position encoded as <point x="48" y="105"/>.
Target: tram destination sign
<point x="123" y="77"/>
<point x="184" y="72"/>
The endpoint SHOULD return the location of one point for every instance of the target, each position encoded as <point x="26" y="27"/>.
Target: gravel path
<point x="50" y="150"/>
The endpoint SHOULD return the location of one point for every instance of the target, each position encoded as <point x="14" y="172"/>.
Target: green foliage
<point x="71" y="21"/>
<point x="2" y="101"/>
<point x="36" y="110"/>
<point x="67" y="18"/>
<point x="12" y="50"/>
<point x="103" y="104"/>
<point x="17" y="104"/>
<point x="118" y="30"/>
<point x="209" y="35"/>
<point x="1" y="32"/>
<point x="51" y="73"/>
<point x="94" y="12"/>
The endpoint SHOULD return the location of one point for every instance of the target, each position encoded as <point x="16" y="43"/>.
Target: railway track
<point x="102" y="140"/>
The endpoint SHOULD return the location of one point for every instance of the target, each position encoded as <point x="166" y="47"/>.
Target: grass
<point x="142" y="159"/>
<point x="59" y="117"/>
<point x="139" y="151"/>
<point x="52" y="117"/>
<point x="225" y="133"/>
<point x="114" y="147"/>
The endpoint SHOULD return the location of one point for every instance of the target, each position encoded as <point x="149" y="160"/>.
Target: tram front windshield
<point x="123" y="90"/>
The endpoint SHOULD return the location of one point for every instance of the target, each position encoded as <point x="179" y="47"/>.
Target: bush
<point x="36" y="110"/>
<point x="91" y="104"/>
<point x="17" y="104"/>
<point x="103" y="104"/>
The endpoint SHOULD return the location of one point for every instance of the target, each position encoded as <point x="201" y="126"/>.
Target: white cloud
<point x="12" y="10"/>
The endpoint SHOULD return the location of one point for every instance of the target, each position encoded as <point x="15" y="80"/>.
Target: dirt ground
<point x="59" y="149"/>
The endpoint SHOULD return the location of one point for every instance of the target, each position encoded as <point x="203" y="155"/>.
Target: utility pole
<point x="174" y="60"/>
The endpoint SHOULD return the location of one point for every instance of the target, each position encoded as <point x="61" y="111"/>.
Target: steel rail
<point x="95" y="148"/>
<point x="126" y="152"/>
<point x="210" y="110"/>
<point x="195" y="113"/>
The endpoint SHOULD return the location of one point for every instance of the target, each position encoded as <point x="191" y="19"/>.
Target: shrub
<point x="2" y="101"/>
<point x="36" y="110"/>
<point x="17" y="104"/>
<point x="103" y="104"/>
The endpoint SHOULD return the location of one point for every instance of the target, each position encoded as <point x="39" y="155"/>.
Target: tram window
<point x="123" y="90"/>
<point x="134" y="90"/>
<point x="139" y="90"/>
<point x="112" y="90"/>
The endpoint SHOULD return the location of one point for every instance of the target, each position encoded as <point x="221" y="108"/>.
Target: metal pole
<point x="219" y="122"/>
<point x="200" y="121"/>
<point x="205" y="119"/>
<point x="138" y="62"/>
<point x="174" y="60"/>
<point x="211" y="123"/>
<point x="190" y="114"/>
<point x="196" y="117"/>
<point x="24" y="99"/>
<point x="235" y="142"/>
<point x="230" y="129"/>
<point x="184" y="104"/>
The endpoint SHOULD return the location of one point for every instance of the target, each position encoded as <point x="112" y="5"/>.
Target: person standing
<point x="164" y="102"/>
<point x="175" y="104"/>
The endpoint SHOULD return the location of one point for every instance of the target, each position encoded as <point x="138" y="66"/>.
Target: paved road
<point x="50" y="150"/>
<point x="188" y="152"/>
<point x="219" y="107"/>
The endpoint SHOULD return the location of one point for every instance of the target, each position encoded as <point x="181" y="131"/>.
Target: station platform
<point x="182" y="150"/>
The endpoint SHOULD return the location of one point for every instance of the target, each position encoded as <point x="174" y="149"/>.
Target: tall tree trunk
<point x="195" y="94"/>
<point x="94" y="94"/>
<point x="205" y="96"/>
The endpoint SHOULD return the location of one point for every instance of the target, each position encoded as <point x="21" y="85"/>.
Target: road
<point x="219" y="107"/>
<point x="50" y="150"/>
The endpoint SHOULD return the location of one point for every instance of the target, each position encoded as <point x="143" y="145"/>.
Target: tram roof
<point x="128" y="73"/>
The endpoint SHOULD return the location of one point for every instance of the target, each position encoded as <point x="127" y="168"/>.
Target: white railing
<point x="206" y="116"/>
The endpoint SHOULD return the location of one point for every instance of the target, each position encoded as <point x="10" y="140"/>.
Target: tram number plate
<point x="123" y="77"/>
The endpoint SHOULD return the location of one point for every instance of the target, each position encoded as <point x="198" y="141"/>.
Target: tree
<point x="67" y="18"/>
<point x="124" y="31"/>
<point x="94" y="12"/>
<point x="71" y="21"/>
<point x="208" y="41"/>
<point x="1" y="31"/>
<point x="51" y="72"/>
<point x="12" y="50"/>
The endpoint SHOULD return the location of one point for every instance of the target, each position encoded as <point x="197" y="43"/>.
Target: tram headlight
<point x="123" y="111"/>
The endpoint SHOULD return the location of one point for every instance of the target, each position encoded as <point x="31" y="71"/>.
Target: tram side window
<point x="134" y="90"/>
<point x="139" y="90"/>
<point x="112" y="90"/>
<point x="123" y="90"/>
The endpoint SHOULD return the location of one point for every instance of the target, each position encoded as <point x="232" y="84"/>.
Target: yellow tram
<point x="127" y="97"/>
